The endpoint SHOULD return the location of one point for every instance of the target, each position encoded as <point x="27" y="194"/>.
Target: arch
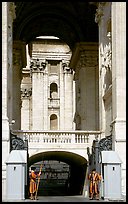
<point x="48" y="18"/>
<point x="53" y="122"/>
<point x="77" y="167"/>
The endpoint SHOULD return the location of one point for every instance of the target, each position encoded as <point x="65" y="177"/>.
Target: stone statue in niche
<point x="77" y="120"/>
<point x="107" y="63"/>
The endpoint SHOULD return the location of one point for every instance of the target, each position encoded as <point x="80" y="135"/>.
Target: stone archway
<point x="76" y="172"/>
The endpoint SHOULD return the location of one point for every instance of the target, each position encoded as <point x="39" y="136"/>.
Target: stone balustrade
<point x="50" y="136"/>
<point x="52" y="102"/>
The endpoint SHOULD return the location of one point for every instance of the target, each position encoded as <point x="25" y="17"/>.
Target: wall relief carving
<point x="16" y="143"/>
<point x="105" y="143"/>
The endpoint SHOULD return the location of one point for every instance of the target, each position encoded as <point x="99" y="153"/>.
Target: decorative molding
<point x="105" y="143"/>
<point x="16" y="143"/>
<point x="37" y="65"/>
<point x="66" y="68"/>
<point x="26" y="93"/>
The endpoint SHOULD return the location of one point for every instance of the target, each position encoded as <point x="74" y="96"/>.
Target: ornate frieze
<point x="37" y="65"/>
<point x="87" y="59"/>
<point x="26" y="93"/>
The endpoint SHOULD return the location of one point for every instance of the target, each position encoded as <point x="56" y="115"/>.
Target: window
<point x="53" y="122"/>
<point x="53" y="90"/>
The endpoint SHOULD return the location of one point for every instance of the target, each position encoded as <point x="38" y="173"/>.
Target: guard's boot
<point x="97" y="197"/>
<point x="91" y="196"/>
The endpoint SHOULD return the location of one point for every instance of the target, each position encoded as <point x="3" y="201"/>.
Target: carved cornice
<point x="26" y="93"/>
<point x="37" y="65"/>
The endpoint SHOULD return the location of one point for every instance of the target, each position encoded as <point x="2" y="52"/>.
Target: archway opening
<point x="63" y="173"/>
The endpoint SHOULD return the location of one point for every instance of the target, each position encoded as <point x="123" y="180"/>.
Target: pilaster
<point x="84" y="61"/>
<point x="119" y="83"/>
<point x="8" y="15"/>
<point x="38" y="72"/>
<point x="103" y="18"/>
<point x="25" y="108"/>
<point x="68" y="95"/>
<point x="62" y="124"/>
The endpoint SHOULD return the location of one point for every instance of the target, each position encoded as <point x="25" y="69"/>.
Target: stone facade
<point x="99" y="84"/>
<point x="47" y="87"/>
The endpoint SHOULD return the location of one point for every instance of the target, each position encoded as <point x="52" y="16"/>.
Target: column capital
<point x="37" y="65"/>
<point x="12" y="10"/>
<point x="99" y="12"/>
<point x="66" y="68"/>
<point x="26" y="93"/>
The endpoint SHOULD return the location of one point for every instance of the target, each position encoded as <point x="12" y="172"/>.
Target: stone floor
<point x="64" y="199"/>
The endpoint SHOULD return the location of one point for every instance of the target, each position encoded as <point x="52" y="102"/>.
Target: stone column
<point x="8" y="14"/>
<point x="61" y="118"/>
<point x="68" y="96"/>
<point x="85" y="63"/>
<point x="19" y="61"/>
<point x="119" y="83"/>
<point x="38" y="69"/>
<point x="102" y="17"/>
<point x="25" y="108"/>
<point x="45" y="101"/>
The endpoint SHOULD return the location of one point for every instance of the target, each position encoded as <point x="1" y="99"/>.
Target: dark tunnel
<point x="69" y="182"/>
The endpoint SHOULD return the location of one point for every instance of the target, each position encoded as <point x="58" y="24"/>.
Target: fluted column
<point x="61" y="120"/>
<point x="45" y="96"/>
<point x="68" y="96"/>
<point x="38" y="83"/>
<point x="119" y="83"/>
<point x="25" y="108"/>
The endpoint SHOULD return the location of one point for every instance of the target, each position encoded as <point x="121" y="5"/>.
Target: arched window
<point x="53" y="122"/>
<point x="53" y="90"/>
